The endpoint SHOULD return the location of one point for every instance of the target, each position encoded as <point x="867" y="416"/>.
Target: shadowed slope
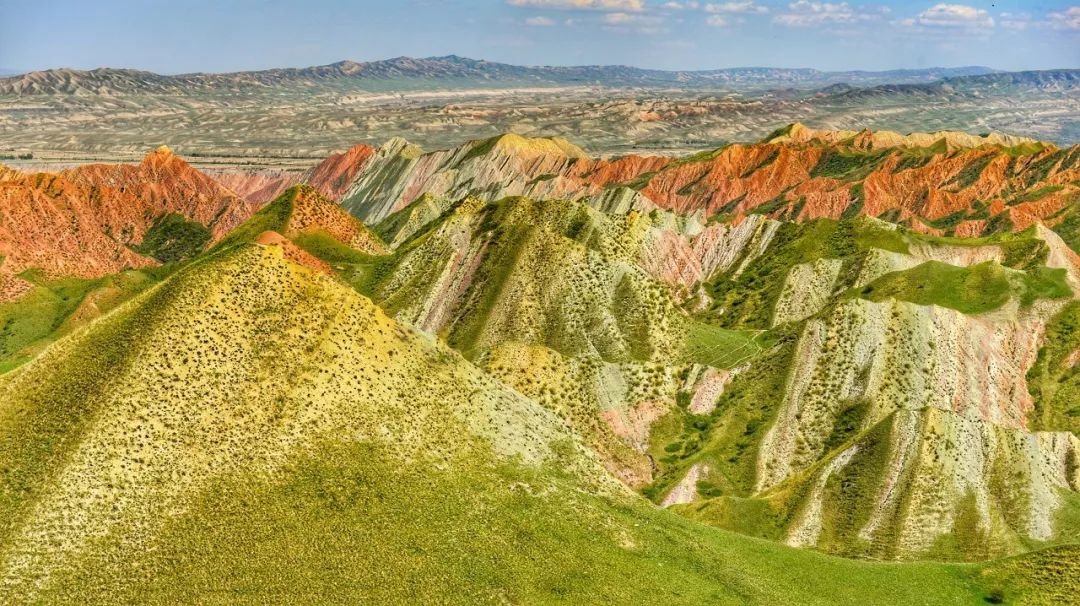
<point x="254" y="431"/>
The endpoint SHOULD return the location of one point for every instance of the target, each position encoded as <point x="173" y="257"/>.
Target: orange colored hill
<point x="84" y="221"/>
<point x="331" y="177"/>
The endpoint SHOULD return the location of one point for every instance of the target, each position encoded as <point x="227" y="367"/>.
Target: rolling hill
<point x="944" y="183"/>
<point x="253" y="430"/>
<point x="511" y="372"/>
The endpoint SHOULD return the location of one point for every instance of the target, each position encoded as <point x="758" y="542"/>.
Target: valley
<point x="275" y="118"/>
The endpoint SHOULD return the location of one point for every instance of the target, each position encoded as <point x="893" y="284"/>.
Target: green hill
<point x="253" y="431"/>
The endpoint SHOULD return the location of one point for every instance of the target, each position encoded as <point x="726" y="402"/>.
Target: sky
<point x="176" y="36"/>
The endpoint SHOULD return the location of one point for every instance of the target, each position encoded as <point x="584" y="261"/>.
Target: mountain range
<point x="406" y="73"/>
<point x="822" y="367"/>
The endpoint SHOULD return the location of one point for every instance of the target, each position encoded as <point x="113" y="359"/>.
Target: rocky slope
<point x="938" y="183"/>
<point x="740" y="334"/>
<point x="89" y="221"/>
<point x="41" y="309"/>
<point x="169" y="393"/>
<point x="888" y="355"/>
<point x="331" y="177"/>
<point x="902" y="423"/>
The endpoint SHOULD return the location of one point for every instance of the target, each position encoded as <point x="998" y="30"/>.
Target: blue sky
<point x="204" y="35"/>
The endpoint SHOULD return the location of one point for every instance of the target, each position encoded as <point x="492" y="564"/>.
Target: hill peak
<point x="160" y="155"/>
<point x="515" y="143"/>
<point x="798" y="132"/>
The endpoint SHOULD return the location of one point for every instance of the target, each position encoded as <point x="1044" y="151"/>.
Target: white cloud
<point x="804" y="13"/>
<point x="744" y="7"/>
<point x="716" y="21"/>
<point x="644" y="24"/>
<point x="678" y="6"/>
<point x="539" y="22"/>
<point x="1066" y="19"/>
<point x="1017" y="21"/>
<point x="574" y="5"/>
<point x="621" y="18"/>
<point x="952" y="16"/>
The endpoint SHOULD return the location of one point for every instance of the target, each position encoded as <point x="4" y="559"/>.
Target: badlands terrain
<point x="815" y="366"/>
<point x="289" y="118"/>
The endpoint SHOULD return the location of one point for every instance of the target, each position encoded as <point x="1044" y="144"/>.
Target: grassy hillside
<point x="269" y="435"/>
<point x="975" y="289"/>
<point x="1054" y="379"/>
<point x="54" y="307"/>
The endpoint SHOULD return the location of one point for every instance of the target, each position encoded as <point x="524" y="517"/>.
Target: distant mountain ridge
<point x="451" y="70"/>
<point x="998" y="83"/>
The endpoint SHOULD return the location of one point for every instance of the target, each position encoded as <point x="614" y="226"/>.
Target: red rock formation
<point x="938" y="183"/>
<point x="257" y="186"/>
<point x="312" y="211"/>
<point x="331" y="177"/>
<point x="163" y="183"/>
<point x="292" y="252"/>
<point x="935" y="192"/>
<point x="66" y="228"/>
<point x="84" y="220"/>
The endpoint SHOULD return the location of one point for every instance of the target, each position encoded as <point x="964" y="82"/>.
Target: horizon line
<point x="13" y="71"/>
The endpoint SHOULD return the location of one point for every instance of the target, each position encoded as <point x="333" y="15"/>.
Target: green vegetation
<point x="52" y="308"/>
<point x="1068" y="225"/>
<point x="870" y="235"/>
<point x="641" y="180"/>
<point x="917" y="157"/>
<point x="970" y="173"/>
<point x="847" y="424"/>
<point x="505" y="248"/>
<point x="971" y="290"/>
<point x="351" y="523"/>
<point x="768" y="160"/>
<point x="727" y="439"/>
<point x="755" y="517"/>
<point x="350" y="518"/>
<point x="173" y="238"/>
<point x="1034" y="194"/>
<point x="1054" y="379"/>
<point x="749" y="300"/>
<point x="1021" y="250"/>
<point x="327" y="248"/>
<point x="1044" y="578"/>
<point x="272" y="217"/>
<point x="702" y="156"/>
<point x="847" y="166"/>
<point x="720" y="347"/>
<point x="481" y="148"/>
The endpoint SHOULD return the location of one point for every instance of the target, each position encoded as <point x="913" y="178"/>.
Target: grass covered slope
<point x="549" y="297"/>
<point x="971" y="290"/>
<point x="555" y="273"/>
<point x="253" y="431"/>
<point x="230" y="367"/>
<point x="54" y="307"/>
<point x="890" y="417"/>
<point x="1054" y="379"/>
<point x="302" y="212"/>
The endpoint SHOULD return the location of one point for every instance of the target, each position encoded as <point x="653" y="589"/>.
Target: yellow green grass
<point x="54" y="307"/>
<point x="272" y="437"/>
<point x="974" y="289"/>
<point x="721" y="347"/>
